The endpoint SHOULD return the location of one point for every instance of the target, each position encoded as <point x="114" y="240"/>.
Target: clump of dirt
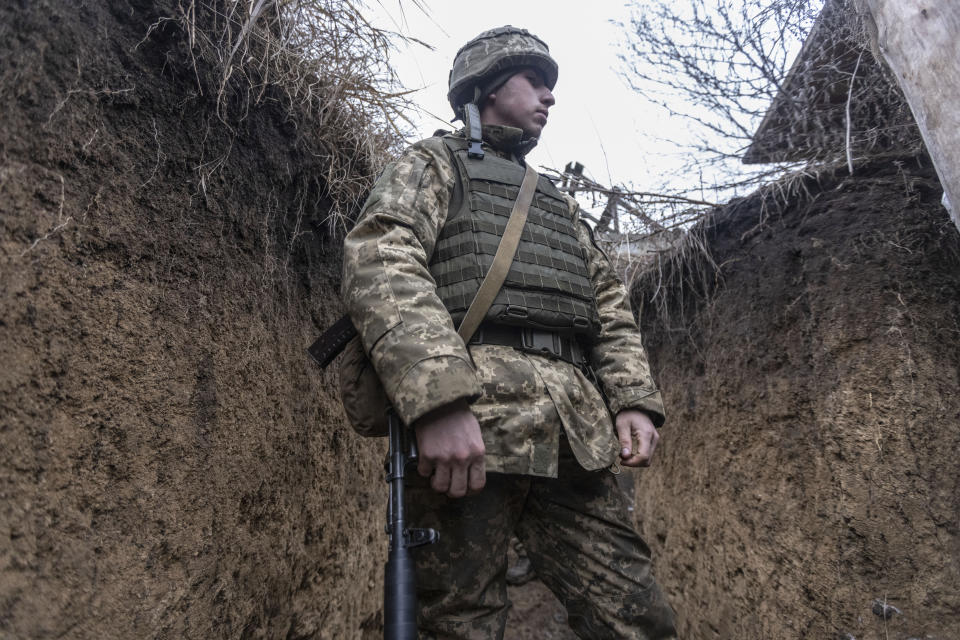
<point x="808" y="468"/>
<point x="171" y="464"/>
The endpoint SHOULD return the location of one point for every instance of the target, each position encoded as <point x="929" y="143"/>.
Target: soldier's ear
<point x="488" y="100"/>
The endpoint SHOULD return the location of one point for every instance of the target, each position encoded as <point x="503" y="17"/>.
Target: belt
<point x="537" y="341"/>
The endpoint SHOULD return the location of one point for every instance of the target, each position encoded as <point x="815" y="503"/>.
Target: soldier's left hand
<point x="638" y="438"/>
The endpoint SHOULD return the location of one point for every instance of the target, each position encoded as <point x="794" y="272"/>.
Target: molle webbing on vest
<point x="469" y="229"/>
<point x="510" y="193"/>
<point x="548" y="286"/>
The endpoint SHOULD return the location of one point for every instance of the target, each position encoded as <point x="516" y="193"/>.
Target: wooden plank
<point x="920" y="41"/>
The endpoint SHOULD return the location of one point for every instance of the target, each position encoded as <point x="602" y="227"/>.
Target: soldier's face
<point x="523" y="102"/>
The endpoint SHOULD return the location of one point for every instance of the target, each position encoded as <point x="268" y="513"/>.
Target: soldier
<point x="518" y="430"/>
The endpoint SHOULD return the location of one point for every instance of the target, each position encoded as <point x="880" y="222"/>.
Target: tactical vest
<point x="548" y="286"/>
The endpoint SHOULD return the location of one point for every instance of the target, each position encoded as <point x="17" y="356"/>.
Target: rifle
<point x="399" y="575"/>
<point x="399" y="584"/>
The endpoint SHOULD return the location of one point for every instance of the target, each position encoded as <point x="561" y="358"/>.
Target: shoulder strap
<point x="504" y="257"/>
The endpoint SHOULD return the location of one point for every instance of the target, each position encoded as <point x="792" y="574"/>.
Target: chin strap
<point x="471" y="118"/>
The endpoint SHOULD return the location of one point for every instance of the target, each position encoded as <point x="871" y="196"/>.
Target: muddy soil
<point x="171" y="465"/>
<point x="809" y="465"/>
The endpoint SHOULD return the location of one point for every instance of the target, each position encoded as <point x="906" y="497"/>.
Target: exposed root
<point x="61" y="221"/>
<point x="161" y="156"/>
<point x="88" y="92"/>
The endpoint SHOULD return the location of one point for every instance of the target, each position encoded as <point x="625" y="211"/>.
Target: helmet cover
<point x="491" y="53"/>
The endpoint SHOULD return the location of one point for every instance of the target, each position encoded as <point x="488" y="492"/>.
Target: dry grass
<point x="841" y="102"/>
<point x="687" y="270"/>
<point x="324" y="61"/>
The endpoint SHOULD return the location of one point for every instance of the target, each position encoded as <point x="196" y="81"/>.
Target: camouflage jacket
<point x="523" y="402"/>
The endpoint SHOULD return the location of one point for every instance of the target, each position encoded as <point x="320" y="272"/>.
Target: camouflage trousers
<point x="577" y="536"/>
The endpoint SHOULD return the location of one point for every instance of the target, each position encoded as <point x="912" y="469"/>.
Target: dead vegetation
<point x="779" y="83"/>
<point x="324" y="62"/>
<point x="686" y="274"/>
<point x="737" y="72"/>
<point x="685" y="271"/>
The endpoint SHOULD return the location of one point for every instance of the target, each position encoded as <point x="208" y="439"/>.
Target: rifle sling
<point x="329" y="345"/>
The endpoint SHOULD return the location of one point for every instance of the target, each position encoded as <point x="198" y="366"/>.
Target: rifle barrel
<point x="399" y="578"/>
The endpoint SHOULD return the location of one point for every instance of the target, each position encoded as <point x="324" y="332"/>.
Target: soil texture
<point x="171" y="464"/>
<point x="808" y="472"/>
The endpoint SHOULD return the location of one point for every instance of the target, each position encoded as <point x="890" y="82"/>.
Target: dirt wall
<point x="171" y="465"/>
<point x="809" y="464"/>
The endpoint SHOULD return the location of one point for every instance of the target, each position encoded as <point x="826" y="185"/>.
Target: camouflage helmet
<point x="493" y="52"/>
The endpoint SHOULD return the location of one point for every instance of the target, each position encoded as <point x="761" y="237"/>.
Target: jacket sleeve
<point x="618" y="356"/>
<point x="389" y="292"/>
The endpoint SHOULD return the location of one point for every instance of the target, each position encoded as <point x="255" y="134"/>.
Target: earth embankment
<point x="171" y="465"/>
<point x="811" y="368"/>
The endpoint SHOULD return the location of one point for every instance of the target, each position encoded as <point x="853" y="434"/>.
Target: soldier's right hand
<point x="451" y="450"/>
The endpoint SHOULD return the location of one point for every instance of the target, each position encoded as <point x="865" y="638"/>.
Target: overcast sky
<point x="597" y="119"/>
